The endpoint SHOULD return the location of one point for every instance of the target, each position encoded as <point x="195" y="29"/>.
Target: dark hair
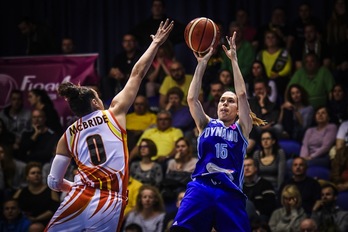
<point x="304" y="94"/>
<point x="177" y="91"/>
<point x="256" y="164"/>
<point x="275" y="146"/>
<point x="134" y="227"/>
<point x="152" y="146"/>
<point x="187" y="142"/>
<point x="31" y="165"/>
<point x="78" y="97"/>
<point x="44" y="98"/>
<point x="264" y="75"/>
<point x="332" y="186"/>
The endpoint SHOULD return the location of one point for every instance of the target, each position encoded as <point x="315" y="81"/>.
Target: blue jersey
<point x="221" y="152"/>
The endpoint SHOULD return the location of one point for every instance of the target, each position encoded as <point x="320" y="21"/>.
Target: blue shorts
<point x="207" y="205"/>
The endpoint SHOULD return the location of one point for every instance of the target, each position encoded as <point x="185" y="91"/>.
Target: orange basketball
<point x="201" y="34"/>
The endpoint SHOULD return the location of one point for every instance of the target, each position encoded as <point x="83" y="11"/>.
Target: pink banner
<point x="46" y="72"/>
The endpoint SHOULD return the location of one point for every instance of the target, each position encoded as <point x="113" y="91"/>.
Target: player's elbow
<point x="53" y="183"/>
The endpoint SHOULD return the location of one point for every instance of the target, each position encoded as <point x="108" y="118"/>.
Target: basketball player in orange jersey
<point x="98" y="143"/>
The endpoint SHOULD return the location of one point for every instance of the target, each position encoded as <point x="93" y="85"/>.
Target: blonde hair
<point x="256" y="121"/>
<point x="292" y="191"/>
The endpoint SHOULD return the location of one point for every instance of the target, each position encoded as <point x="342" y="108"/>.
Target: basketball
<point x="201" y="34"/>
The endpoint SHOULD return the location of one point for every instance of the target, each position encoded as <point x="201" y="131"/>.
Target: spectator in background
<point x="40" y="100"/>
<point x="164" y="136"/>
<point x="317" y="80"/>
<point x="181" y="116"/>
<point x="16" y="117"/>
<point x="169" y="217"/>
<point x="309" y="188"/>
<point x="308" y="225"/>
<point x="338" y="104"/>
<point x="139" y="120"/>
<point x="276" y="59"/>
<point x="11" y="172"/>
<point x="339" y="169"/>
<point x="245" y="51"/>
<point x="160" y="68"/>
<point x="39" y="143"/>
<point x="149" y="210"/>
<point x="290" y="215"/>
<point x="177" y="78"/>
<point x="149" y="26"/>
<point x="39" y="38"/>
<point x="37" y="201"/>
<point x="319" y="139"/>
<point x="304" y="18"/>
<point x="67" y="46"/>
<point x="258" y="190"/>
<point x="270" y="159"/>
<point x="295" y="113"/>
<point x="210" y="106"/>
<point x="13" y="219"/>
<point x="311" y="44"/>
<point x="123" y="64"/>
<point x="258" y="72"/>
<point x="146" y="170"/>
<point x="242" y="19"/>
<point x="326" y="213"/>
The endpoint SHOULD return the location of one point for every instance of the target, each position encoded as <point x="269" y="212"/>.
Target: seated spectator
<point x="178" y="78"/>
<point x="271" y="160"/>
<point x="264" y="108"/>
<point x="317" y="80"/>
<point x="39" y="143"/>
<point x="164" y="136"/>
<point x="295" y="113"/>
<point x="338" y="104"/>
<point x="290" y="215"/>
<point x="139" y="120"/>
<point x="319" y="139"/>
<point x="326" y="213"/>
<point x="181" y="116"/>
<point x="258" y="190"/>
<point x="37" y="201"/>
<point x="67" y="46"/>
<point x="215" y="92"/>
<point x="258" y="72"/>
<point x="16" y="117"/>
<point x="226" y="78"/>
<point x="147" y="171"/>
<point x="149" y="210"/>
<point x="308" y="225"/>
<point x="242" y="18"/>
<point x="160" y="68"/>
<point x="339" y="169"/>
<point x="309" y="188"/>
<point x="13" y="219"/>
<point x="11" y="171"/>
<point x="179" y="170"/>
<point x="40" y="100"/>
<point x="169" y="217"/>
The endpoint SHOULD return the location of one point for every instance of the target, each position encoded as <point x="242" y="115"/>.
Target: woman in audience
<point x="290" y="215"/>
<point x="145" y="170"/>
<point x="37" y="201"/>
<point x="319" y="139"/>
<point x="40" y="100"/>
<point x="149" y="210"/>
<point x="179" y="170"/>
<point x="296" y="114"/>
<point x="11" y="171"/>
<point x="226" y="78"/>
<point x="338" y="104"/>
<point x="271" y="159"/>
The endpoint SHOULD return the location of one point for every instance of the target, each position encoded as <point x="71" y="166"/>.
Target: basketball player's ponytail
<point x="257" y="121"/>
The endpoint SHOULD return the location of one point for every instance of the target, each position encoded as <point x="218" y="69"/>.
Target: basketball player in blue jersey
<point x="97" y="141"/>
<point x="214" y="198"/>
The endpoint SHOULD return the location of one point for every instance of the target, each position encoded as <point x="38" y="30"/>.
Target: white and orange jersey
<point x="99" y="146"/>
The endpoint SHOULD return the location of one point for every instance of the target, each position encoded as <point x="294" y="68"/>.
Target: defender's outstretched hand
<point x="163" y="31"/>
<point x="232" y="52"/>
